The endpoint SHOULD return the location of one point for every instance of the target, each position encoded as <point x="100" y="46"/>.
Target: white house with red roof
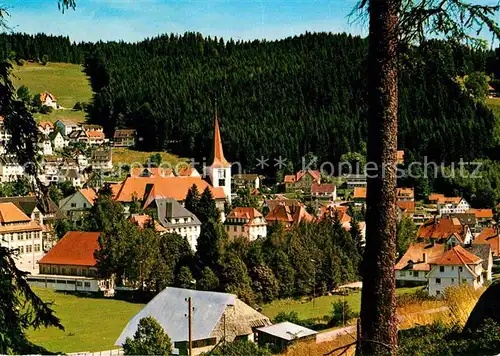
<point x="324" y="191"/>
<point x="19" y="232"/>
<point x="413" y="267"/>
<point x="456" y="266"/>
<point x="303" y="180"/>
<point x="245" y="222"/>
<point x="49" y="99"/>
<point x="78" y="203"/>
<point x="71" y="266"/>
<point x="452" y="205"/>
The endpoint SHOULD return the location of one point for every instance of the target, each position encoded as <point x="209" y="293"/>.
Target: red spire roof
<point x="219" y="160"/>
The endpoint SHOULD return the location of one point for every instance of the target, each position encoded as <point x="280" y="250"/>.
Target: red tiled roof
<point x="289" y="178"/>
<point x="316" y="175"/>
<point x="435" y="197"/>
<point x="490" y="236"/>
<point x="406" y="206"/>
<point x="457" y="256"/>
<point x="124" y="133"/>
<point x="10" y="213"/>
<point x="142" y="219"/>
<point x="153" y="171"/>
<point x="322" y="188"/>
<point x="400" y="156"/>
<point x="329" y="211"/>
<point x="405" y="193"/>
<point x="359" y="193"/>
<point x="89" y="194"/>
<point x="289" y="214"/>
<point x="482" y="213"/>
<point x="166" y="187"/>
<point x="415" y="254"/>
<point x="96" y="135"/>
<point x="44" y="124"/>
<point x="245" y="213"/>
<point x="76" y="248"/>
<point x="441" y="229"/>
<point x="44" y="96"/>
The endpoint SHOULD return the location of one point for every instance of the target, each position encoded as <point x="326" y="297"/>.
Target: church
<point x="150" y="184"/>
<point x="220" y="169"/>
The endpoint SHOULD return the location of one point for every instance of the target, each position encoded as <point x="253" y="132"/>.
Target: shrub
<point x="292" y="317"/>
<point x="341" y="313"/>
<point x="46" y="109"/>
<point x="20" y="62"/>
<point x="412" y="298"/>
<point x="149" y="339"/>
<point x="45" y="60"/>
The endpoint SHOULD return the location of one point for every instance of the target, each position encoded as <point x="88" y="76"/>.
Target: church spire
<point x="219" y="160"/>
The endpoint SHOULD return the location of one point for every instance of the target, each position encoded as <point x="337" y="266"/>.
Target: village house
<point x="405" y="194"/>
<point x="46" y="127"/>
<point x="355" y="180"/>
<point x="4" y="136"/>
<point x="484" y="252"/>
<point x="302" y="181"/>
<point x="468" y="218"/>
<point x="247" y="223"/>
<point x="172" y="217"/>
<point x="324" y="191"/>
<point x="452" y="205"/>
<point x="359" y="195"/>
<point x="76" y="205"/>
<point x="217" y="316"/>
<point x="72" y="175"/>
<point x="45" y="146"/>
<point x="407" y="207"/>
<point x="124" y="138"/>
<point x="102" y="160"/>
<point x="455" y="266"/>
<point x="490" y="236"/>
<point x="283" y="334"/>
<point x="288" y="214"/>
<point x="484" y="217"/>
<point x="49" y="99"/>
<point x="18" y="231"/>
<point x="445" y="230"/>
<point x="42" y="211"/>
<point x="246" y="181"/>
<point x="400" y="157"/>
<point x="413" y="267"/>
<point x="58" y="140"/>
<point x="219" y="171"/>
<point x="66" y="126"/>
<point x="70" y="265"/>
<point x="10" y="169"/>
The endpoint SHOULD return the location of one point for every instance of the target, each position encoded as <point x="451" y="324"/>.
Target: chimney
<point x="425" y="257"/>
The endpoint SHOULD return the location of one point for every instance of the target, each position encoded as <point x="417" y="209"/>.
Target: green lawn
<point x="66" y="81"/>
<point x="91" y="324"/>
<point x="322" y="305"/>
<point x="129" y="156"/>
<point x="494" y="105"/>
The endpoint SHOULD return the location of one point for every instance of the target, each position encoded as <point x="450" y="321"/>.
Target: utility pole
<point x="190" y="325"/>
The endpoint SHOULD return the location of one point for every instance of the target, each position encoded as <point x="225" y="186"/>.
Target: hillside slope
<point x="66" y="81"/>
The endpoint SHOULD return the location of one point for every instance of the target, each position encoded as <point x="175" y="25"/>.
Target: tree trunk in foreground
<point x="378" y="304"/>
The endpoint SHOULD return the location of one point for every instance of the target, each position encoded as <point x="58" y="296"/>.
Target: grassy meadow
<point x="66" y="81"/>
<point x="91" y="324"/>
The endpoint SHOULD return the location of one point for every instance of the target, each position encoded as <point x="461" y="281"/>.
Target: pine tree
<point x="192" y="201"/>
<point x="207" y="208"/>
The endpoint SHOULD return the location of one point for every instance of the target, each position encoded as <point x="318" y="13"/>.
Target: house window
<point x="453" y="280"/>
<point x="402" y="273"/>
<point x="84" y="205"/>
<point x="438" y="292"/>
<point x="235" y="228"/>
<point x="73" y="205"/>
<point x="78" y="284"/>
<point x="21" y="249"/>
<point x="438" y="280"/>
<point x="441" y="268"/>
<point x="87" y="285"/>
<point x="460" y="269"/>
<point x="464" y="280"/>
<point x="415" y="274"/>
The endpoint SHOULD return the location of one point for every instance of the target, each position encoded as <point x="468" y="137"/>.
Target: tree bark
<point x="378" y="303"/>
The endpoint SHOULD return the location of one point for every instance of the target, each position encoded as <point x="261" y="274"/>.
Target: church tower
<point x="220" y="169"/>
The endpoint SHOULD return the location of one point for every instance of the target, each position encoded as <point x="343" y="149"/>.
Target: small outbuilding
<point x="279" y="336"/>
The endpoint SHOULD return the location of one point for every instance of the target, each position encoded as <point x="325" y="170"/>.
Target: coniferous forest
<point x="280" y="98"/>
